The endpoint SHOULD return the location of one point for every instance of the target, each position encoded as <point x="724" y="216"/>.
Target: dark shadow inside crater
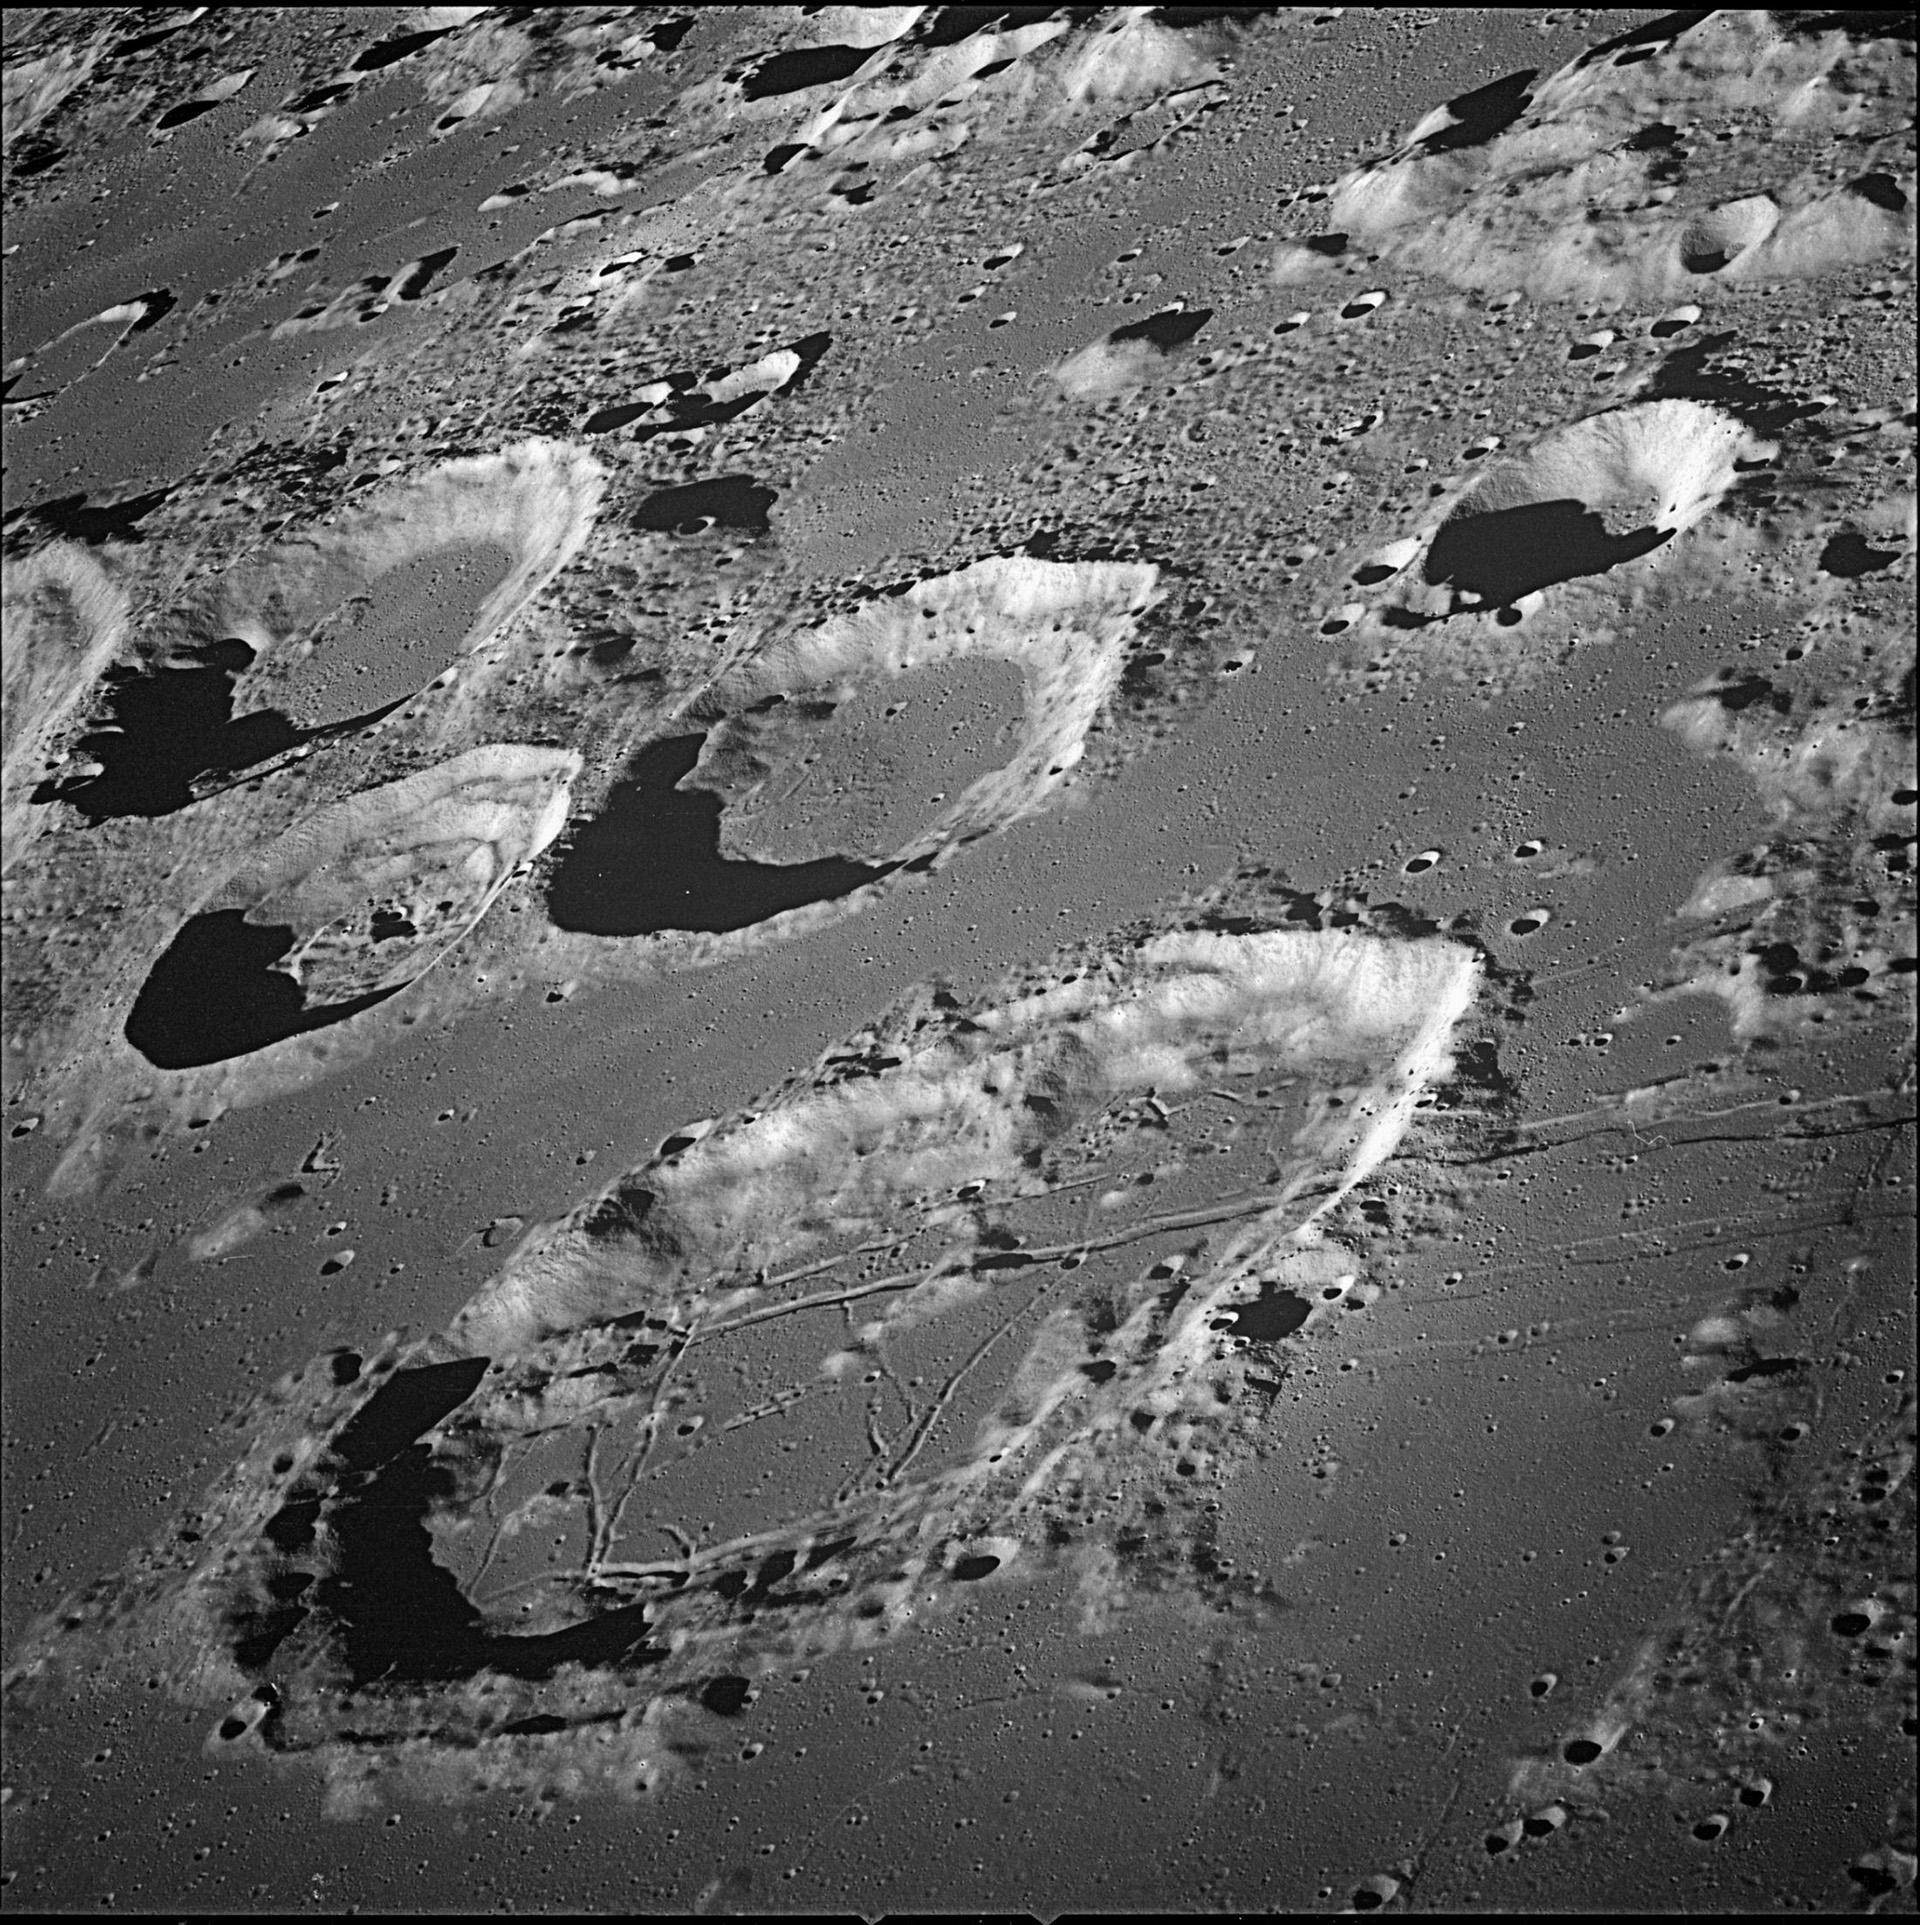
<point x="800" y="68"/>
<point x="1509" y="552"/>
<point x="1703" y="256"/>
<point x="215" y="994"/>
<point x="397" y="1614"/>
<point x="732" y="501"/>
<point x="403" y="1410"/>
<point x="1849" y="555"/>
<point x="165" y="728"/>
<point x="1483" y="113"/>
<point x="726" y="1696"/>
<point x="1272" y="1315"/>
<point x="169" y="728"/>
<point x="392" y="1612"/>
<point x="1695" y="372"/>
<point x="74" y="519"/>
<point x="690" y="406"/>
<point x="1641" y="42"/>
<point x="650" y="861"/>
<point x="1859" y="24"/>
<point x="189" y="110"/>
<point x="1171" y="328"/>
<point x="384" y="53"/>
<point x="948" y="26"/>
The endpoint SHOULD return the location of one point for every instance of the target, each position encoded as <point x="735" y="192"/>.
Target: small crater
<point x="726" y="1696"/>
<point x="1373" y="1892"/>
<point x="1676" y="321"/>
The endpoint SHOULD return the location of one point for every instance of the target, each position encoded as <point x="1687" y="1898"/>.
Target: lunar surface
<point x="959" y="959"/>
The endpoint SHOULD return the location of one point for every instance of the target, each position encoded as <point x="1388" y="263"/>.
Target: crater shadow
<point x="76" y="518"/>
<point x="1505" y="553"/>
<point x="1171" y="328"/>
<point x="1272" y="1315"/>
<point x="392" y="1613"/>
<point x="215" y="994"/>
<point x="802" y="67"/>
<point x="166" y="728"/>
<point x="733" y="501"/>
<point x="650" y="861"/>
<point x="1483" y="113"/>
<point x="1850" y="556"/>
